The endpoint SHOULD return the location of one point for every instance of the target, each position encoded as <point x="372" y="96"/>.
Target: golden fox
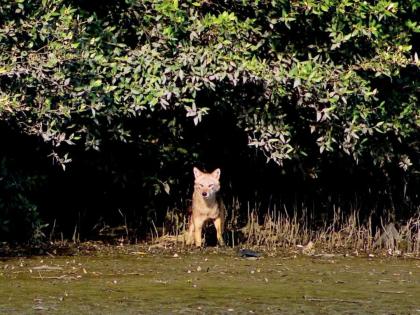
<point x="206" y="205"/>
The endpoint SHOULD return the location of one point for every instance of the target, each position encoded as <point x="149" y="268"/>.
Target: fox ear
<point x="197" y="172"/>
<point x="216" y="173"/>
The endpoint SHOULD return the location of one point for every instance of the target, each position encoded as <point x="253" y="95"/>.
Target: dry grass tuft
<point x="343" y="233"/>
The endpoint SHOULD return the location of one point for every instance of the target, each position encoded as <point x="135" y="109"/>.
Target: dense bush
<point x="132" y="93"/>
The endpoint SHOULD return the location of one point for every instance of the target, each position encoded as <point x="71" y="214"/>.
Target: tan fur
<point x="206" y="205"/>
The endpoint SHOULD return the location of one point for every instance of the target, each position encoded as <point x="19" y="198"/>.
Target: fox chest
<point x="203" y="210"/>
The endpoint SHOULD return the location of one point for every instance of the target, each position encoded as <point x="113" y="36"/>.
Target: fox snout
<point x="205" y="192"/>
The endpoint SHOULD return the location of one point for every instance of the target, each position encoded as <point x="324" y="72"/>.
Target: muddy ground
<point x="141" y="280"/>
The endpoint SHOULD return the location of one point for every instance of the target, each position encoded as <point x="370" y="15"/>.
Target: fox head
<point x="206" y="184"/>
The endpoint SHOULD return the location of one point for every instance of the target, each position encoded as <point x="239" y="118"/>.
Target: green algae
<point x="208" y="282"/>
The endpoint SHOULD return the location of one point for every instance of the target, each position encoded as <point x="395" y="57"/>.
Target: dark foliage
<point x="107" y="105"/>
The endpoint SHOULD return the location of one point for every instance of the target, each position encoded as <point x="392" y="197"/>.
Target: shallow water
<point x="208" y="282"/>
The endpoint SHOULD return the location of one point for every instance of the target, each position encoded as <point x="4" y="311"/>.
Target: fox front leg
<point x="198" y="226"/>
<point x="218" y="224"/>
<point x="190" y="235"/>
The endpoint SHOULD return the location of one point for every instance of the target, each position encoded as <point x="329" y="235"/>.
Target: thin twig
<point x="313" y="299"/>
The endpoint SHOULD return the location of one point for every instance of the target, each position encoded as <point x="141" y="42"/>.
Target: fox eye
<point x="201" y="185"/>
<point x="211" y="185"/>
